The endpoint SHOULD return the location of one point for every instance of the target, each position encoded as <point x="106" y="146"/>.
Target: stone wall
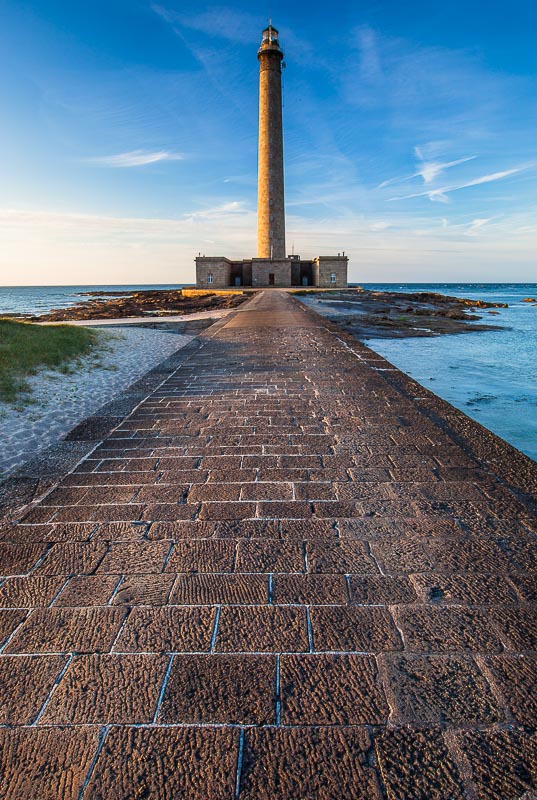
<point x="330" y="272"/>
<point x="263" y="268"/>
<point x="216" y="266"/>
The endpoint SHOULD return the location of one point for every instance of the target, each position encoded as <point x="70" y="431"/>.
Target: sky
<point x="128" y="141"/>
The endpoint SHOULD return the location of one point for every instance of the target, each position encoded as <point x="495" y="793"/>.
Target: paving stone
<point x="307" y="529"/>
<point x="68" y="630"/>
<point x="182" y="529"/>
<point x="464" y="589"/>
<point x="260" y="629"/>
<point x="18" y="559"/>
<point x="247" y="529"/>
<point x="87" y="590"/>
<point x="46" y="763"/>
<point x="331" y="690"/>
<point x="169" y="629"/>
<point x="417" y="764"/>
<point x="237" y="689"/>
<point x="525" y="585"/>
<point x="10" y="619"/>
<point x="341" y="557"/>
<point x="203" y="555"/>
<point x="516" y="677"/>
<point x="215" y="589"/>
<point x="135" y="558"/>
<point x="26" y="683"/>
<point x="29" y="592"/>
<point x="229" y="510"/>
<point x="516" y="625"/>
<point x="352" y="629"/>
<point x="309" y="589"/>
<point x="269" y="555"/>
<point x="147" y="590"/>
<point x="434" y="689"/>
<point x="121" y="532"/>
<point x="167" y="763"/>
<point x="72" y="559"/>
<point x="320" y="763"/>
<point x="115" y="689"/>
<point x="170" y="512"/>
<point x="381" y="590"/>
<point x="447" y="630"/>
<point x="503" y="763"/>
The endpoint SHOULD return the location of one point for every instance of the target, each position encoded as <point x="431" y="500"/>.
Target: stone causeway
<point x="284" y="570"/>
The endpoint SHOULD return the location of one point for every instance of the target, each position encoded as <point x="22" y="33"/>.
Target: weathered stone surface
<point x="107" y="689"/>
<point x="148" y="590"/>
<point x="340" y="557"/>
<point x="86" y="590"/>
<point x="270" y="555"/>
<point x="168" y="629"/>
<point x="320" y="763"/>
<point x="208" y="589"/>
<point x="166" y="763"/>
<point x="351" y="629"/>
<point x="516" y="677"/>
<point x="203" y="555"/>
<point x="503" y="763"/>
<point x="29" y="592"/>
<point x="433" y="689"/>
<point x="447" y="630"/>
<point x="309" y="589"/>
<point x="331" y="690"/>
<point x="221" y="689"/>
<point x="68" y="630"/>
<point x="72" y="559"/>
<point x="135" y="558"/>
<point x="260" y="629"/>
<point x="417" y="764"/>
<point x="26" y="682"/>
<point x="46" y="763"/>
<point x="381" y="590"/>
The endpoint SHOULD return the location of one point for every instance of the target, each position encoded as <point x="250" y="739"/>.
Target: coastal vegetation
<point x="24" y="348"/>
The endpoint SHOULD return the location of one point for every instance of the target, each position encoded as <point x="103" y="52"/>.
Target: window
<point x="332" y="277"/>
<point x="209" y="277"/>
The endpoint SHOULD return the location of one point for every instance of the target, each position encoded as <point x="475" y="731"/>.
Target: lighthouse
<point x="270" y="185"/>
<point x="271" y="267"/>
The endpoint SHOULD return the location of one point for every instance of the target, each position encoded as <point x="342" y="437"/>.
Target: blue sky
<point x="128" y="141"/>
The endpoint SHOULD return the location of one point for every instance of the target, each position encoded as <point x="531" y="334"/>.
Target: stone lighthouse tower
<point x="271" y="267"/>
<point x="270" y="194"/>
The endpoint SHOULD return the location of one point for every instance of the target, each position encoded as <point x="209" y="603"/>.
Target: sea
<point x="490" y="375"/>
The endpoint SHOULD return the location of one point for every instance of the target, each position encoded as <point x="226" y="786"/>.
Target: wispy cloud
<point x="476" y="225"/>
<point x="428" y="170"/>
<point x="441" y="194"/>
<point x="135" y="158"/>
<point x="221" y="22"/>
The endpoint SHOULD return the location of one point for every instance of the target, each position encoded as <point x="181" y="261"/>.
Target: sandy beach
<point x="60" y="401"/>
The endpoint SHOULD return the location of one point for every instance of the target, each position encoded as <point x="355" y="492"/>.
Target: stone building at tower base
<point x="218" y="272"/>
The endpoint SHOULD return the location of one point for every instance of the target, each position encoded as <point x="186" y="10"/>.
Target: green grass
<point x="25" y="347"/>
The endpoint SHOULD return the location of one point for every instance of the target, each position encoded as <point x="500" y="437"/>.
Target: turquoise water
<point x="490" y="375"/>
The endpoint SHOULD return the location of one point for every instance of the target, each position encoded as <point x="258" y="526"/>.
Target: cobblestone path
<point x="289" y="573"/>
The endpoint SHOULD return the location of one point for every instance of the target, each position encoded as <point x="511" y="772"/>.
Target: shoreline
<point x="376" y="314"/>
<point x="187" y="326"/>
<point x="58" y="402"/>
<point x="27" y="482"/>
